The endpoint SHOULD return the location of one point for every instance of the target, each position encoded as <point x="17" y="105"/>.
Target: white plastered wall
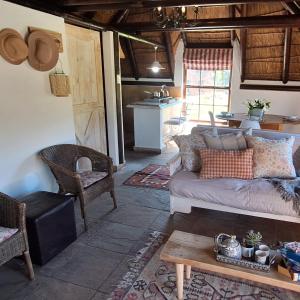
<point x="31" y="118"/>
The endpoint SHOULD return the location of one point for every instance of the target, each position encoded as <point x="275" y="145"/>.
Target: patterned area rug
<point x="153" y="176"/>
<point x="150" y="278"/>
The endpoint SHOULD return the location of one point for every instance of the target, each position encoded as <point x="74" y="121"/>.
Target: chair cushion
<point x="90" y="177"/>
<point x="6" y="233"/>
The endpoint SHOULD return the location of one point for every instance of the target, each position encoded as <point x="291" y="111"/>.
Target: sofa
<point x="256" y="197"/>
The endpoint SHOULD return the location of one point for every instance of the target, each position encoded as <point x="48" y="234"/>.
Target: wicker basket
<point x="60" y="84"/>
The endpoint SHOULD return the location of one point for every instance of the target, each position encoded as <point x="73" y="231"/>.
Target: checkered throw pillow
<point x="226" y="163"/>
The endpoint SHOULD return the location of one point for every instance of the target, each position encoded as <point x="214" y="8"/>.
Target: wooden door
<point x="84" y="52"/>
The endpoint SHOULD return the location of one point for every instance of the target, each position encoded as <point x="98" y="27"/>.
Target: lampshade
<point x="156" y="67"/>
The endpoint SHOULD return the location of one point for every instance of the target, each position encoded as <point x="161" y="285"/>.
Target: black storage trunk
<point x="50" y="222"/>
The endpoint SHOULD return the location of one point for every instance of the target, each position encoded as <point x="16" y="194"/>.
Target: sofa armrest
<point x="174" y="164"/>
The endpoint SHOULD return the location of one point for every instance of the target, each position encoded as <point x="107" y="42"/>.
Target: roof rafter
<point x="291" y="7"/>
<point x="169" y="50"/>
<point x="221" y="24"/>
<point x="286" y="55"/>
<point x="81" y="5"/>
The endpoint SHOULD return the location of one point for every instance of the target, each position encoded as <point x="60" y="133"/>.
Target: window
<point x="207" y="91"/>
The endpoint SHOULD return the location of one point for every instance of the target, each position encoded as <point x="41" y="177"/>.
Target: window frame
<point x="206" y="87"/>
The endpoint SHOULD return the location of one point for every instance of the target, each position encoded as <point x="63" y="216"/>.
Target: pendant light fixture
<point x="155" y="66"/>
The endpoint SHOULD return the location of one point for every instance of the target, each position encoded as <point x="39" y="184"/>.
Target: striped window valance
<point x="208" y="58"/>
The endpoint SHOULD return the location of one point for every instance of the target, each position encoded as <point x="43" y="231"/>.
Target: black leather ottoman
<point x="50" y="222"/>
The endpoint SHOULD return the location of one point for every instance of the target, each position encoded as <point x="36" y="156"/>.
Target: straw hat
<point x="12" y="46"/>
<point x="43" y="51"/>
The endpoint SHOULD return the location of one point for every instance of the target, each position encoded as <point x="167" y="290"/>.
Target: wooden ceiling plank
<point x="286" y="55"/>
<point x="222" y="24"/>
<point x="169" y="50"/>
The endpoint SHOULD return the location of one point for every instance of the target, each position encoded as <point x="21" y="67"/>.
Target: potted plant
<point x="257" y="107"/>
<point x="253" y="238"/>
<point x="249" y="243"/>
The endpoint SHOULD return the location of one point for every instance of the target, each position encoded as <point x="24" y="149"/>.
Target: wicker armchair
<point x="12" y="215"/>
<point x="62" y="160"/>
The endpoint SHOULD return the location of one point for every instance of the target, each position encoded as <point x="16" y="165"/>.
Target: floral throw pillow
<point x="189" y="146"/>
<point x="6" y="233"/>
<point x="272" y="158"/>
<point x="189" y="151"/>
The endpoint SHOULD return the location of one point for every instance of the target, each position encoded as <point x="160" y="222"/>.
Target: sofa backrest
<point x="268" y="134"/>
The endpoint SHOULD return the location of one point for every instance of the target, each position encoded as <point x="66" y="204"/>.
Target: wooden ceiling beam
<point x="184" y="38"/>
<point x="286" y="55"/>
<point x="243" y="46"/>
<point x="81" y="5"/>
<point x="80" y="20"/>
<point x="209" y="45"/>
<point x="221" y="24"/>
<point x="132" y="60"/>
<point x="119" y="17"/>
<point x="291" y="7"/>
<point x="169" y="50"/>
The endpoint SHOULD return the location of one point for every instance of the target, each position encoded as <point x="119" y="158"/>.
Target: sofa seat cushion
<point x="252" y="195"/>
<point x="89" y="177"/>
<point x="6" y="233"/>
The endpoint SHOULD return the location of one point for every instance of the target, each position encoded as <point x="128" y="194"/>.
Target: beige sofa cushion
<point x="227" y="141"/>
<point x="257" y="195"/>
<point x="272" y="158"/>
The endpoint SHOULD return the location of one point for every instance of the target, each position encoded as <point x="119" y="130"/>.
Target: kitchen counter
<point x="150" y="124"/>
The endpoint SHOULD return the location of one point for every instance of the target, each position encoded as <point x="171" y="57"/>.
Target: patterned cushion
<point x="228" y="141"/>
<point x="226" y="164"/>
<point x="89" y="177"/>
<point x="6" y="233"/>
<point x="272" y="158"/>
<point x="189" y="146"/>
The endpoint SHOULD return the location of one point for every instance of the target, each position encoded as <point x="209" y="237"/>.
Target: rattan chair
<point x="12" y="215"/>
<point x="62" y="160"/>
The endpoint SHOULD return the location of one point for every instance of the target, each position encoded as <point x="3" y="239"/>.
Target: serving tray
<point x="246" y="263"/>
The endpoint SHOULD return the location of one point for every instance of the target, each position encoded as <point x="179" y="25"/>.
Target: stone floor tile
<point x="100" y="296"/>
<point x="47" y="288"/>
<point x="13" y="277"/>
<point x="132" y="215"/>
<point x="110" y="284"/>
<point x="112" y="236"/>
<point x="83" y="265"/>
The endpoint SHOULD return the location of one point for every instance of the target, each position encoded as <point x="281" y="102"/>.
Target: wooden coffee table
<point x="189" y="250"/>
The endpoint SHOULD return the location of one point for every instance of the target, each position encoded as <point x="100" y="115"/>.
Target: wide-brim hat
<point x="43" y="52"/>
<point x="12" y="46"/>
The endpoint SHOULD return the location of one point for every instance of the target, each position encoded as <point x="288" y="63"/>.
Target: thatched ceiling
<point x="264" y="47"/>
<point x="267" y="30"/>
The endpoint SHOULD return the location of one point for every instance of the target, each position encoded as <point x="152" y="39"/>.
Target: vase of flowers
<point x="257" y="108"/>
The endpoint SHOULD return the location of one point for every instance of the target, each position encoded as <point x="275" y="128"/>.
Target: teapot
<point x="228" y="245"/>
